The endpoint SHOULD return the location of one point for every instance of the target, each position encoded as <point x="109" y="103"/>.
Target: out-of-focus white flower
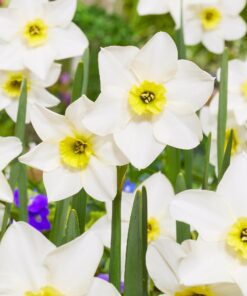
<point x="212" y="22"/>
<point x="209" y="116"/>
<point x="221" y="220"/>
<point x="163" y="260"/>
<point x="31" y="265"/>
<point x="148" y="99"/>
<point x="160" y="194"/>
<point x="10" y="88"/>
<point x="70" y="156"/>
<point x="35" y="33"/>
<point x="10" y="148"/>
<point x="146" y="7"/>
<point x="237" y="90"/>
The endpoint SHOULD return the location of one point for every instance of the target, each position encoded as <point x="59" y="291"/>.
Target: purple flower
<point x="38" y="211"/>
<point x="129" y="187"/>
<point x="64" y="78"/>
<point x="105" y="277"/>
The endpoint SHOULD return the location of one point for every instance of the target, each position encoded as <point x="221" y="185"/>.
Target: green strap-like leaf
<point x="227" y="157"/>
<point x="78" y="82"/>
<point x="72" y="229"/>
<point x="206" y="163"/>
<point x="79" y="204"/>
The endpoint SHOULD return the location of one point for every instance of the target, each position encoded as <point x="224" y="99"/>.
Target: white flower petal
<point x="157" y="60"/>
<point x="114" y="66"/>
<point x="10" y="148"/>
<point x="146" y="7"/>
<point x="60" y="12"/>
<point x="52" y="76"/>
<point x="239" y="275"/>
<point x="44" y="156"/>
<point x="71" y="268"/>
<point x="205" y="211"/>
<point x="192" y="32"/>
<point x="233" y="7"/>
<point x="100" y="180"/>
<point x="49" y="125"/>
<point x="12" y="111"/>
<point x="5" y="101"/>
<point x="28" y="8"/>
<point x="233" y="185"/>
<point x="162" y="259"/>
<point x="8" y="25"/>
<point x="11" y="56"/>
<point x="190" y="88"/>
<point x="233" y="28"/>
<point x="159" y="193"/>
<point x="177" y="130"/>
<point x="106" y="150"/>
<point x="102" y="288"/>
<point x="39" y="59"/>
<point x="6" y="193"/>
<point x="208" y="263"/>
<point x="62" y="183"/>
<point x="23" y="248"/>
<point x="226" y="289"/>
<point x="68" y="42"/>
<point x="213" y="41"/>
<point x="138" y="144"/>
<point x="102" y="228"/>
<point x="43" y="98"/>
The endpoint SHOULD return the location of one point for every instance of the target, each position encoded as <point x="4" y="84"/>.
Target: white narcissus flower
<point x="70" y="156"/>
<point x="146" y="7"/>
<point x="35" y="33"/>
<point x="149" y="99"/>
<point x="10" y="148"/>
<point x="221" y="219"/>
<point x="159" y="194"/>
<point x="209" y="118"/>
<point x="237" y="89"/>
<point x="10" y="88"/>
<point x="212" y="23"/>
<point x="163" y="259"/>
<point x="32" y="266"/>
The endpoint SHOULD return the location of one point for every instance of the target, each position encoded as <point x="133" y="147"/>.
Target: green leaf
<point x="144" y="239"/>
<point x="227" y="157"/>
<point x="86" y="62"/>
<point x="115" y="256"/>
<point x="172" y="164"/>
<point x="79" y="204"/>
<point x="134" y="274"/>
<point x="180" y="37"/>
<point x="72" y="229"/>
<point x="60" y="220"/>
<point x="206" y="162"/>
<point x="188" y="166"/>
<point x="222" y="111"/>
<point x="78" y="82"/>
<point x="183" y="229"/>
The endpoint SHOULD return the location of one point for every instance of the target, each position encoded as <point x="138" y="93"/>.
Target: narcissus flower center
<point x="147" y="98"/>
<point x="46" y="291"/>
<point x="12" y="85"/>
<point x="153" y="229"/>
<point x="195" y="291"/>
<point x="75" y="152"/>
<point x="35" y="32"/>
<point x="237" y="237"/>
<point x="235" y="140"/>
<point x="244" y="88"/>
<point x="210" y="18"/>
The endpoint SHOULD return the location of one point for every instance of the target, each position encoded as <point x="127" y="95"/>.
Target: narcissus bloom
<point x="209" y="117"/>
<point x="70" y="156"/>
<point x="163" y="261"/>
<point x="160" y="194"/>
<point x="32" y="266"/>
<point x="237" y="90"/>
<point x="148" y="99"/>
<point x="35" y="33"/>
<point x="10" y="88"/>
<point x="146" y="7"/>
<point x="221" y="220"/>
<point x="213" y="22"/>
<point x="10" y="148"/>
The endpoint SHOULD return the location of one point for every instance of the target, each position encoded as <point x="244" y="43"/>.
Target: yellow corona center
<point x="244" y="89"/>
<point x="12" y="86"/>
<point x="237" y="237"/>
<point x="147" y="98"/>
<point x="210" y="18"/>
<point x="75" y="152"/>
<point x="46" y="291"/>
<point x="195" y="291"/>
<point x="35" y="32"/>
<point x="153" y="229"/>
<point x="235" y="140"/>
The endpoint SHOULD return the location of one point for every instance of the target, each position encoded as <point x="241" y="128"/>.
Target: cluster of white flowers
<point x="149" y="99"/>
<point x="211" y="22"/>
